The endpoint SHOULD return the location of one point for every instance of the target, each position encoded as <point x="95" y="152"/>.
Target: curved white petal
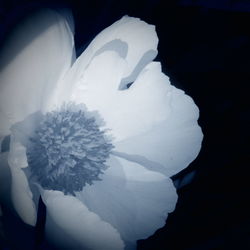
<point x="85" y="228"/>
<point x="139" y="36"/>
<point x="35" y="57"/>
<point x="97" y="88"/>
<point x="21" y="193"/>
<point x="129" y="112"/>
<point x="134" y="40"/>
<point x="160" y="126"/>
<point x="152" y="120"/>
<point x="22" y="196"/>
<point x="100" y="81"/>
<point x="134" y="200"/>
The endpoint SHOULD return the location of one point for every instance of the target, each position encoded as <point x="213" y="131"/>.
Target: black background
<point x="204" y="48"/>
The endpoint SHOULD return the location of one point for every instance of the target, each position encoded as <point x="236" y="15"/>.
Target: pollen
<point x="68" y="150"/>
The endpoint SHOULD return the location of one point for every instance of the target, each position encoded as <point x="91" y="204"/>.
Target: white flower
<point x="153" y="127"/>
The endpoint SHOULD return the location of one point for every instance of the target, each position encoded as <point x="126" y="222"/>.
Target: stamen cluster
<point x="68" y="150"/>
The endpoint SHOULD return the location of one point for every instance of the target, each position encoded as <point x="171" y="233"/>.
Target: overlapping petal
<point x="126" y="112"/>
<point x="36" y="56"/>
<point x="140" y="37"/>
<point x="85" y="228"/>
<point x="152" y="119"/>
<point x="22" y="196"/>
<point x="132" y="199"/>
<point x="133" y="39"/>
<point x="162" y="128"/>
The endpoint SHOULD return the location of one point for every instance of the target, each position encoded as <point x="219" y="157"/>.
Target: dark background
<point x="204" y="47"/>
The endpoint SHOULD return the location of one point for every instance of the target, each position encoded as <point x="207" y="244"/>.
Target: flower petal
<point x="139" y="36"/>
<point x="160" y="126"/>
<point x="97" y="88"/>
<point x="85" y="228"/>
<point x="134" y="40"/>
<point x="33" y="60"/>
<point x="153" y="123"/>
<point x="22" y="196"/>
<point x="134" y="200"/>
<point x="100" y="81"/>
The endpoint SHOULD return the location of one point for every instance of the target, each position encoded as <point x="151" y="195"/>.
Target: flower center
<point x="68" y="150"/>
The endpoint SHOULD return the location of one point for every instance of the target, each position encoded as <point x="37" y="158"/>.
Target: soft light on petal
<point x="98" y="88"/>
<point x="133" y="39"/>
<point x="22" y="196"/>
<point x="86" y="228"/>
<point x="132" y="199"/>
<point x="17" y="155"/>
<point x="35" y="57"/>
<point x="139" y="36"/>
<point x="99" y="83"/>
<point x="152" y="119"/>
<point x="161" y="124"/>
<point x="128" y="112"/>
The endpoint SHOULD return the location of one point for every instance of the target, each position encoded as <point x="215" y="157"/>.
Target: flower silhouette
<point x="98" y="137"/>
